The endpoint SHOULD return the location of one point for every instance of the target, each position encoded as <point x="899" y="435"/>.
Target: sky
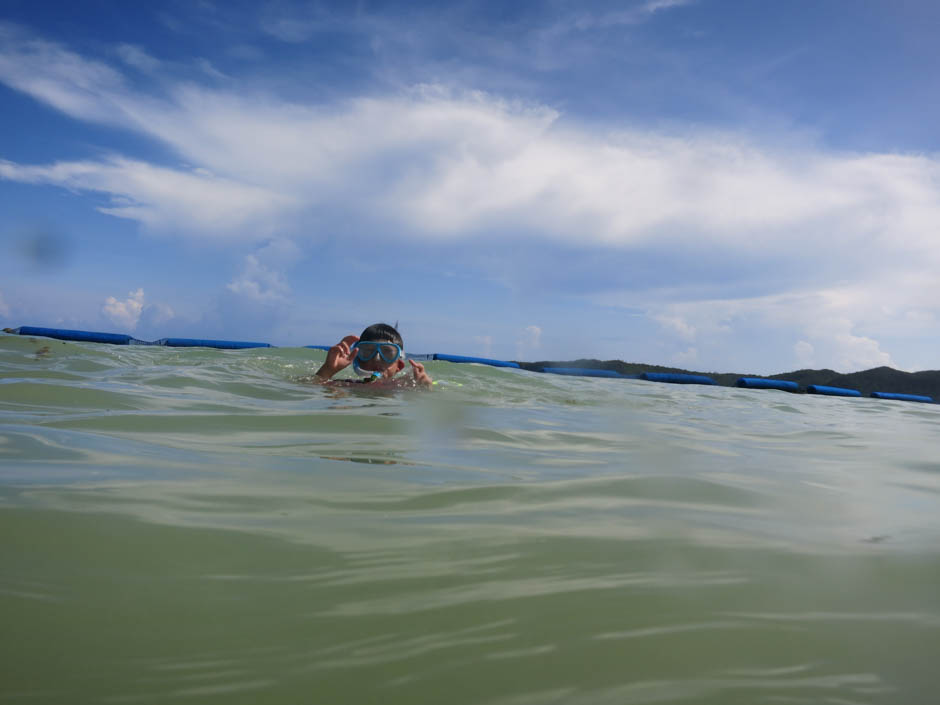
<point x="716" y="185"/>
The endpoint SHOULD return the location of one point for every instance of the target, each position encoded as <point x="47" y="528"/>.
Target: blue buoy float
<point x="80" y="336"/>
<point x="676" y="378"/>
<point x="832" y="391"/>
<point x="587" y="372"/>
<point x="902" y="397"/>
<point x="761" y="383"/>
<point x="204" y="343"/>
<point x="478" y="360"/>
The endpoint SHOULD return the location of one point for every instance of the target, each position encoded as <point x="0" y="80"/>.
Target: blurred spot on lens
<point x="44" y="247"/>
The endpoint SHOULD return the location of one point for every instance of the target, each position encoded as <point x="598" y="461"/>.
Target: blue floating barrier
<point x="478" y="360"/>
<point x="201" y="343"/>
<point x="668" y="377"/>
<point x="832" y="391"/>
<point x="676" y="378"/>
<point x="82" y="336"/>
<point x="902" y="397"/>
<point x="761" y="383"/>
<point x="585" y="372"/>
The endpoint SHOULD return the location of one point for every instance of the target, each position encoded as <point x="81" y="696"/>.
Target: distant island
<point x="877" y="379"/>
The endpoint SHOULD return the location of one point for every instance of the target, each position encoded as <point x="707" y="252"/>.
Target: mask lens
<point x="389" y="353"/>
<point x="367" y="351"/>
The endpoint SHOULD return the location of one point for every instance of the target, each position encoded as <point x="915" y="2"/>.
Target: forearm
<point x="326" y="372"/>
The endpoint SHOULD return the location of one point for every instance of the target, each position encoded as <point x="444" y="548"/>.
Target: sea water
<point x="193" y="525"/>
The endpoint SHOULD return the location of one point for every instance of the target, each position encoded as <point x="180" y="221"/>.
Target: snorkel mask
<point x="368" y="349"/>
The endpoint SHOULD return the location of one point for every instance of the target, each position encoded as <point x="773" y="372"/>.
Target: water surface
<point x="202" y="526"/>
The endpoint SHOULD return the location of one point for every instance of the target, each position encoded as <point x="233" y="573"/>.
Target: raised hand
<point x="339" y="357"/>
<point x="421" y="377"/>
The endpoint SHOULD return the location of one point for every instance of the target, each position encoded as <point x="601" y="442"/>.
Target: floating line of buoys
<point x="666" y="377"/>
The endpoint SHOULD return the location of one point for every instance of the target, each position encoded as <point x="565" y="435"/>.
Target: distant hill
<point x="877" y="379"/>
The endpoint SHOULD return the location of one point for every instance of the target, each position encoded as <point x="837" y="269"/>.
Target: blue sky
<point x="728" y="186"/>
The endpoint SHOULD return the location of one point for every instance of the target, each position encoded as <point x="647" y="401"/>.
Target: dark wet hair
<point x="381" y="332"/>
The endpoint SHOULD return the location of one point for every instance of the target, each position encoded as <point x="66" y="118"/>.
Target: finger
<point x="350" y="339"/>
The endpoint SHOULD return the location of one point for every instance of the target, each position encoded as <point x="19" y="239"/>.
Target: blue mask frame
<point x="378" y="351"/>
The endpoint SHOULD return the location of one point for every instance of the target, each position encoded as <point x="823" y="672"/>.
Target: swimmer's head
<point x="380" y="352"/>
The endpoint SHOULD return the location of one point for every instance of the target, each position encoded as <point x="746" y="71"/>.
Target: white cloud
<point x="258" y="283"/>
<point x="155" y="315"/>
<point x="689" y="356"/>
<point x="486" y="342"/>
<point x="836" y="336"/>
<point x="860" y="352"/>
<point x="133" y="313"/>
<point x="448" y="166"/>
<point x="209" y="69"/>
<point x="263" y="278"/>
<point x="162" y="198"/>
<point x="652" y="6"/>
<point x="529" y="341"/>
<point x="630" y="16"/>
<point x="125" y="313"/>
<point x="532" y="336"/>
<point x="54" y="75"/>
<point x="279" y="252"/>
<point x="825" y="326"/>
<point x="678" y="326"/>
<point x="138" y="58"/>
<point x="804" y="352"/>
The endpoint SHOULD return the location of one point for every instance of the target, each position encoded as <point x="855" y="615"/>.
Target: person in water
<point x="376" y="356"/>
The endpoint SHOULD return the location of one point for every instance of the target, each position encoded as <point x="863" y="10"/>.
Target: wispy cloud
<point x="652" y="6"/>
<point x="194" y="201"/>
<point x="631" y="15"/>
<point x="54" y="75"/>
<point x="138" y="58"/>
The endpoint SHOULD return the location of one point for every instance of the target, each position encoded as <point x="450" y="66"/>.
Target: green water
<point x="201" y="526"/>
